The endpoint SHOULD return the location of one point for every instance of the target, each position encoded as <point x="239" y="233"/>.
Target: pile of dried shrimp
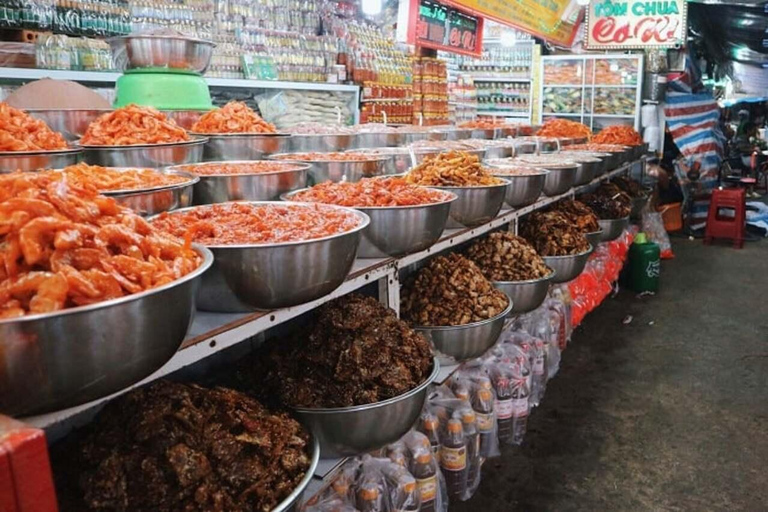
<point x="21" y="132"/>
<point x="234" y="117"/>
<point x="132" y="125"/>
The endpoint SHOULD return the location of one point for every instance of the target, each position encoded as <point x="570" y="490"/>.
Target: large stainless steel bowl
<point x="613" y="228"/>
<point x="398" y="230"/>
<point x="458" y="343"/>
<point x="252" y="277"/>
<point x="287" y="505"/>
<point x="263" y="186"/>
<point x="347" y="431"/>
<point x="400" y="159"/>
<point x="151" y="201"/>
<point x="568" y="267"/>
<point x="560" y="179"/>
<point x="340" y="170"/>
<point x="600" y="168"/>
<point x="594" y="237"/>
<point x="526" y="295"/>
<point x="184" y="118"/>
<point x="243" y="146"/>
<point x="587" y="171"/>
<point x="501" y="149"/>
<point x="70" y="122"/>
<point x="321" y="142"/>
<point x="57" y="360"/>
<point x="145" y="155"/>
<point x="35" y="160"/>
<point x="525" y="147"/>
<point x="486" y="133"/>
<point x="378" y="140"/>
<point x="455" y="133"/>
<point x="523" y="189"/>
<point x="415" y="136"/>
<point x="175" y="52"/>
<point x="475" y="205"/>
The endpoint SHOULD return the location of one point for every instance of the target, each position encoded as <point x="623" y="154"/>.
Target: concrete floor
<point x="666" y="413"/>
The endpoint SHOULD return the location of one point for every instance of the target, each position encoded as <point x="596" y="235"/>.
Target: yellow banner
<point x="540" y="16"/>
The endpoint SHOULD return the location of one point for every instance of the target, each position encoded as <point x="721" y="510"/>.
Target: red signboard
<point x="438" y="26"/>
<point x="636" y="24"/>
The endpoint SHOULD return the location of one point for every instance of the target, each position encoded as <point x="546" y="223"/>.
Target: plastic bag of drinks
<point x="518" y="344"/>
<point x="544" y="324"/>
<point x="425" y="468"/>
<point x="473" y="381"/>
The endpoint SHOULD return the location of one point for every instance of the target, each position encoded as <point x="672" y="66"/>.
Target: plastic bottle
<point x="519" y="408"/>
<point x="472" y="440"/>
<point x="644" y="264"/>
<point x="503" y="406"/>
<point x="424" y="471"/>
<point x="453" y="459"/>
<point x="396" y="454"/>
<point x="369" y="498"/>
<point x="429" y="427"/>
<point x="482" y="403"/>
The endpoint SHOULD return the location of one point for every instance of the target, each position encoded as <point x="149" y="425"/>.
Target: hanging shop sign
<point x="439" y="26"/>
<point x="547" y="19"/>
<point x="636" y="24"/>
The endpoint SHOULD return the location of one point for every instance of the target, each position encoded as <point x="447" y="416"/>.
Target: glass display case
<point x="597" y="90"/>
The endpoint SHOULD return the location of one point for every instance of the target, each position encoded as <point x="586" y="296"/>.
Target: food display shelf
<point x="213" y="332"/>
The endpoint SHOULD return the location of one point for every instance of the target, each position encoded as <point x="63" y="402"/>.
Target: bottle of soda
<point x="453" y="459"/>
<point x="503" y="405"/>
<point x="472" y="440"/>
<point x="520" y="408"/>
<point x="424" y="470"/>
<point x="482" y="404"/>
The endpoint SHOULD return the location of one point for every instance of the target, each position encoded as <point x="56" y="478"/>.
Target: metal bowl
<point x="523" y="190"/>
<point x="242" y="146"/>
<point x="252" y="277"/>
<point x="322" y="143"/>
<point x="264" y="186"/>
<point x="588" y="170"/>
<point x="613" y="228"/>
<point x="400" y="159"/>
<point x="568" y="267"/>
<point x="559" y="180"/>
<point x="11" y="161"/>
<point x="145" y="155"/>
<point x="458" y="343"/>
<point x="500" y="150"/>
<point x="57" y="360"/>
<point x="347" y="431"/>
<point x="399" y="230"/>
<point x="475" y="205"/>
<point x="184" y="118"/>
<point x="594" y="237"/>
<point x="485" y="133"/>
<point x="596" y="161"/>
<point x="455" y="133"/>
<point x="526" y="295"/>
<point x="70" y="122"/>
<point x="525" y="147"/>
<point x="175" y="52"/>
<point x="151" y="201"/>
<point x="340" y="170"/>
<point x="287" y="505"/>
<point x="378" y="139"/>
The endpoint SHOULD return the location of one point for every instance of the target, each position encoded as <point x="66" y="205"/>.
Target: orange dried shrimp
<point x="106" y="179"/>
<point x="565" y="129"/>
<point x="234" y="117"/>
<point x="254" y="224"/>
<point x="618" y="134"/>
<point x="371" y="192"/>
<point x="131" y="125"/>
<point x="21" y="132"/>
<point x="230" y="168"/>
<point x="329" y="157"/>
<point x="484" y="124"/>
<point x="598" y="148"/>
<point x="451" y="169"/>
<point x="63" y="245"/>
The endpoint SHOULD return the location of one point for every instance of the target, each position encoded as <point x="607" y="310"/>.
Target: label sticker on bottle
<point x="519" y="407"/>
<point x="484" y="422"/>
<point x="503" y="409"/>
<point x="427" y="488"/>
<point x="453" y="459"/>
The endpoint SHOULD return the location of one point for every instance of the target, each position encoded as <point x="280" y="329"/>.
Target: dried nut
<point x="503" y="256"/>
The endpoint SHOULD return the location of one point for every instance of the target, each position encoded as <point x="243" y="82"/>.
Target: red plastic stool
<point x="727" y="216"/>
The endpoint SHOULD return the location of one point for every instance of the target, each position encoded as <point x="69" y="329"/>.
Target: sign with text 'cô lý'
<point x="636" y="24"/>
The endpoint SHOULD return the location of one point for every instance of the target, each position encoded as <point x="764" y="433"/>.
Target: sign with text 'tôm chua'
<point x="636" y="24"/>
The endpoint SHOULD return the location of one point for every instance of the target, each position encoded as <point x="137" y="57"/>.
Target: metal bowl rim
<point x="537" y="172"/>
<point x="105" y="110"/>
<point x="244" y="135"/>
<point x="179" y="37"/>
<point x="301" y="487"/>
<point x="547" y="277"/>
<point x="623" y="219"/>
<point x="584" y="253"/>
<point x="375" y="405"/>
<point x="206" y="263"/>
<point x="332" y="134"/>
<point x="595" y="233"/>
<point x="194" y="142"/>
<point x="469" y="187"/>
<point x="275" y="156"/>
<point x="41" y="152"/>
<point x="191" y="180"/>
<point x="365" y="221"/>
<point x="286" y="196"/>
<point x="462" y="327"/>
<point x="178" y="168"/>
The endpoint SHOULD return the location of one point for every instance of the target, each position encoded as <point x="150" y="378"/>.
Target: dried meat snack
<point x="552" y="234"/>
<point x="355" y="351"/>
<point x="503" y="256"/>
<point x="21" y="132"/>
<point x="169" y="447"/>
<point x="450" y="290"/>
<point x="131" y="125"/>
<point x="608" y="201"/>
<point x="234" y="117"/>
<point x="579" y="214"/>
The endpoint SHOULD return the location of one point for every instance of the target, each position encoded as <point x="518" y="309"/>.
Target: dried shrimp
<point x="329" y="157"/>
<point x="63" y="245"/>
<point x="107" y="179"/>
<point x="452" y="169"/>
<point x="21" y="132"/>
<point x="245" y="223"/>
<point x="234" y="117"/>
<point x="232" y="168"/>
<point x="371" y="192"/>
<point x="564" y="128"/>
<point x="131" y="125"/>
<point x="618" y="134"/>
